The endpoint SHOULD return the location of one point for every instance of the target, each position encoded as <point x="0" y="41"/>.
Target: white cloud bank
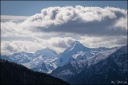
<point x="55" y="27"/>
<point x="7" y="17"/>
<point x="81" y="20"/>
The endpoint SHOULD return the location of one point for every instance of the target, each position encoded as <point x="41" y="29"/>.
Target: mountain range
<point x="112" y="69"/>
<point x="77" y="64"/>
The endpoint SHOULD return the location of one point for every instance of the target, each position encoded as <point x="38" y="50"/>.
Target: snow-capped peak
<point x="75" y="45"/>
<point x="69" y="53"/>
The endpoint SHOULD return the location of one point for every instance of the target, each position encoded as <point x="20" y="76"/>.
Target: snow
<point x="100" y="56"/>
<point x="81" y="53"/>
<point x="103" y="55"/>
<point x="72" y="47"/>
<point x="29" y="60"/>
<point x="76" y="53"/>
<point x="75" y="49"/>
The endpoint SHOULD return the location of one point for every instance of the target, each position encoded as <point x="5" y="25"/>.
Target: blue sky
<point x="28" y="8"/>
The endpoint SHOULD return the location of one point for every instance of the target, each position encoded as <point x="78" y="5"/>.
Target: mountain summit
<point x="46" y="60"/>
<point x="76" y="45"/>
<point x="76" y="48"/>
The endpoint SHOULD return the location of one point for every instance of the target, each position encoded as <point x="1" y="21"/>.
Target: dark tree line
<point x="12" y="73"/>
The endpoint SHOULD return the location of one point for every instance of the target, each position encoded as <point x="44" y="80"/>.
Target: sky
<point x="33" y="25"/>
<point x="28" y="8"/>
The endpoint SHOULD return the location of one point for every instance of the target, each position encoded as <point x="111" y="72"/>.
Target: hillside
<point x="12" y="73"/>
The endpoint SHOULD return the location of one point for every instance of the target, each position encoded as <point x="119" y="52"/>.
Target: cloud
<point x="91" y="21"/>
<point x="58" y="27"/>
<point x="102" y="41"/>
<point x="95" y="21"/>
<point x="5" y="18"/>
<point x="56" y="43"/>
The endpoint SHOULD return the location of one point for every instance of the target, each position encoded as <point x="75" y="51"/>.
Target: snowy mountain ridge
<point x="46" y="60"/>
<point x="38" y="60"/>
<point x="76" y="66"/>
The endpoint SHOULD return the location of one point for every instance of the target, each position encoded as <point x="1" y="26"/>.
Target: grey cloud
<point x="16" y="38"/>
<point x="60" y="26"/>
<point x="10" y="48"/>
<point x="61" y="44"/>
<point x="70" y="41"/>
<point x="121" y="41"/>
<point x="90" y="28"/>
<point x="16" y="19"/>
<point x="115" y="40"/>
<point x="93" y="21"/>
